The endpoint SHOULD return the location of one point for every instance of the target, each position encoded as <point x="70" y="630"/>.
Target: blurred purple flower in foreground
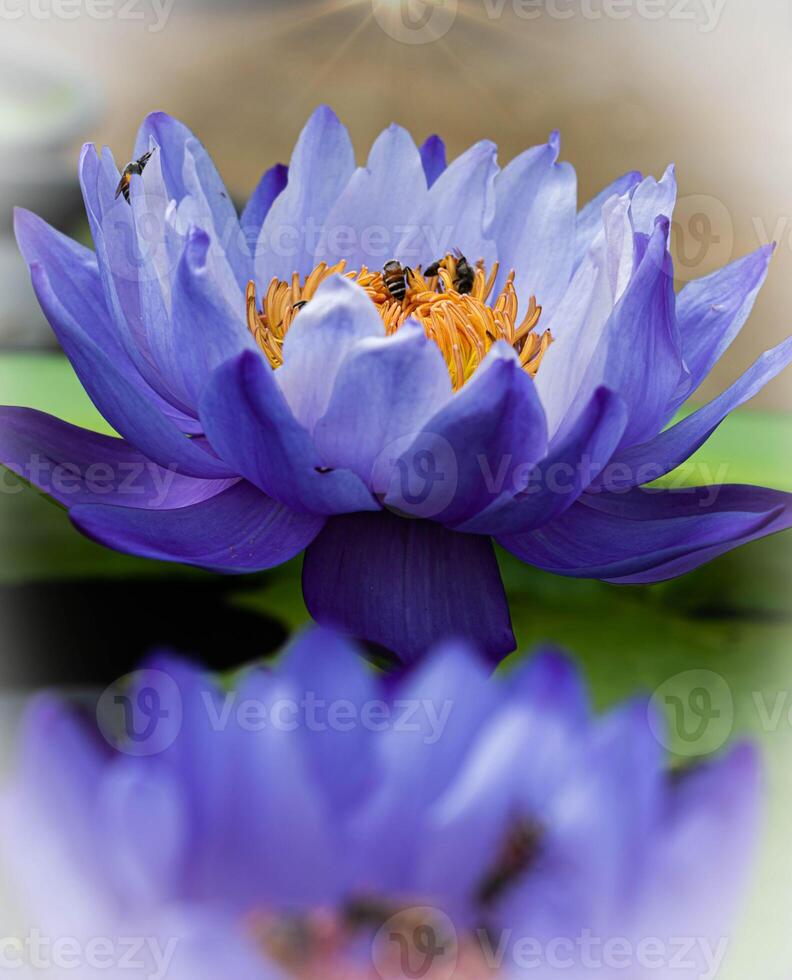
<point x="395" y="418"/>
<point x="315" y="821"/>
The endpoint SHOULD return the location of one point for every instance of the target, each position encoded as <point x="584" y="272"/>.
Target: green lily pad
<point x="47" y="381"/>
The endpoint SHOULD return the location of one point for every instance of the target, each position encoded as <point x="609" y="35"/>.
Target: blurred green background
<point x="627" y="93"/>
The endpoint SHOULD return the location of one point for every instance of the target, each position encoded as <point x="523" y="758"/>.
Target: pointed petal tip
<point x="158" y="121"/>
<point x="554" y="661"/>
<point x="553" y="678"/>
<point x="457" y="656"/>
<point x="662" y="223"/>
<point x="434" y="140"/>
<point x="26" y="224"/>
<point x="315" y="641"/>
<point x="170" y="662"/>
<point x="324" y="114"/>
<point x="744" y="764"/>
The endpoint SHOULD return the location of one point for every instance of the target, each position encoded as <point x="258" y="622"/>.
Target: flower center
<point x="450" y="300"/>
<point x="369" y="941"/>
<point x="373" y="938"/>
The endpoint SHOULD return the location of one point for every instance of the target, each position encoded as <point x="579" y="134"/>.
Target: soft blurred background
<point x="632" y="84"/>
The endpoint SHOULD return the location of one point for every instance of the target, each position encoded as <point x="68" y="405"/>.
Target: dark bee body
<point x="463" y="272"/>
<point x="521" y="848"/>
<point x="135" y="168"/>
<point x="465" y="276"/>
<point x="395" y="277"/>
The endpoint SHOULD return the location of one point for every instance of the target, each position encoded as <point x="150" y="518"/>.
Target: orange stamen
<point x="463" y="325"/>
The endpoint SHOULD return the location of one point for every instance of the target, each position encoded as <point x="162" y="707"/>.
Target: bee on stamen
<point x="465" y="274"/>
<point x="300" y="304"/>
<point x="462" y="272"/>
<point x="135" y="168"/>
<point x="395" y="277"/>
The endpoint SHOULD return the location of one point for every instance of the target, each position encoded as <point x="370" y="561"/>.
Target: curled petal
<point x="239" y="530"/>
<point x="318" y="343"/>
<point x="556" y="482"/>
<point x="492" y="430"/>
<point x="76" y="466"/>
<point x="250" y="425"/>
<point x="651" y="535"/>
<point x="122" y="403"/>
<point x="589" y="220"/>
<point x="653" y="459"/>
<point x="712" y="311"/>
<point x="401" y="380"/>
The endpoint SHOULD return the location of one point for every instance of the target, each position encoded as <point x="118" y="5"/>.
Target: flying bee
<point x="135" y="168"/>
<point x="464" y="273"/>
<point x="395" y="276"/>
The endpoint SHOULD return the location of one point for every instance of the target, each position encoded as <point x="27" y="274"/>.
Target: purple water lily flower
<point x="389" y="366"/>
<point x="315" y="821"/>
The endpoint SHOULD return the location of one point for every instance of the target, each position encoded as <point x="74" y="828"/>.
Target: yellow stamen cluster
<point x="462" y="324"/>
